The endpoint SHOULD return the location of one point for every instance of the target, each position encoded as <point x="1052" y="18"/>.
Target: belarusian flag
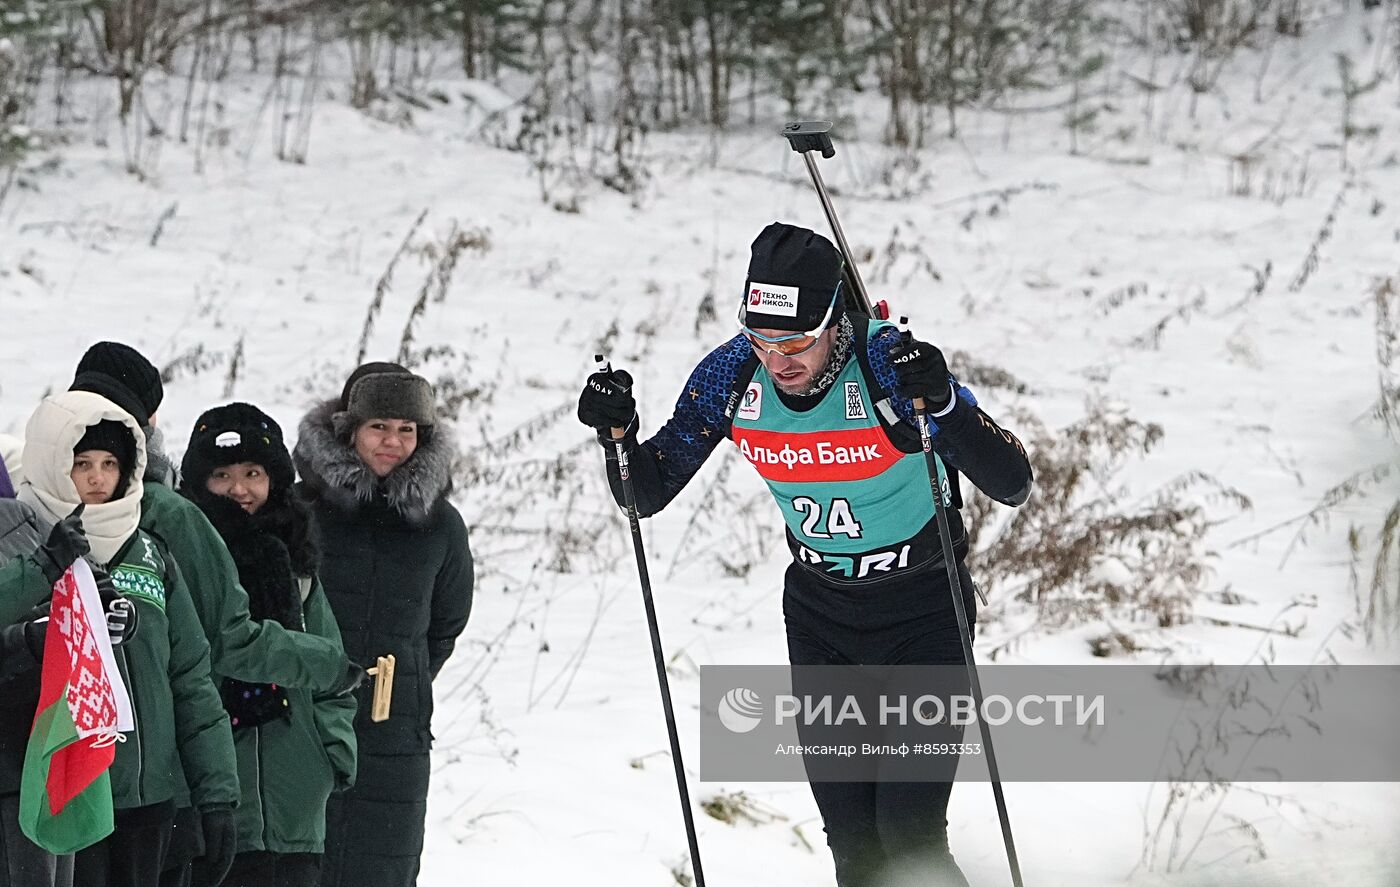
<point x="65" y="800"/>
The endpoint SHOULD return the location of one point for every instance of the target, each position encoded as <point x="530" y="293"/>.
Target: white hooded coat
<point x="59" y="422"/>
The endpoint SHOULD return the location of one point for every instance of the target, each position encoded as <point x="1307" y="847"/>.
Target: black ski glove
<point x="354" y="676"/>
<point x="607" y="402"/>
<point x="220" y="842"/>
<point x="66" y="543"/>
<point x="921" y="371"/>
<point x="14" y="645"/>
<point x="24" y="639"/>
<point x="120" y="610"/>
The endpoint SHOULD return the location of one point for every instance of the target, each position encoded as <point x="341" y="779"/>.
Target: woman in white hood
<point x="81" y="448"/>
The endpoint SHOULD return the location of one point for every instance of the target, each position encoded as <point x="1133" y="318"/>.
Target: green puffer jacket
<point x="22" y="583"/>
<point x="239" y="647"/>
<point x="182" y="732"/>
<point x="288" y="767"/>
<point x="22" y="588"/>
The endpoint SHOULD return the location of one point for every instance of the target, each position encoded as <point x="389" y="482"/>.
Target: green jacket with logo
<point x="182" y="734"/>
<point x="288" y="767"/>
<point x="260" y="652"/>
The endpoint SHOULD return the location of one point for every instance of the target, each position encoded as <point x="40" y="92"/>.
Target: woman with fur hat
<point x="376" y="468"/>
<point x="82" y="448"/>
<point x="293" y="748"/>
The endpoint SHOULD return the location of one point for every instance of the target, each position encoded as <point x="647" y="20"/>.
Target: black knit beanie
<point x="237" y="432"/>
<point x="794" y="273"/>
<point x="116" y="438"/>
<point x="122" y="375"/>
<point x="388" y="391"/>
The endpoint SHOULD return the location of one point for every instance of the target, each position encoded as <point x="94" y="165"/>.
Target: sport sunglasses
<point x="792" y="344"/>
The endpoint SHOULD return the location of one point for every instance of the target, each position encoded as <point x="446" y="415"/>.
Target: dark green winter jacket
<point x="22" y="584"/>
<point x="293" y="747"/>
<point x="288" y="767"/>
<point x="20" y="580"/>
<point x="182" y="733"/>
<point x="239" y="647"/>
<point x="22" y="587"/>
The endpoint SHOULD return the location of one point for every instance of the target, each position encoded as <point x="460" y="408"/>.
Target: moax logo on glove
<point x="752" y="405"/>
<point x="909" y="357"/>
<point x="770" y="298"/>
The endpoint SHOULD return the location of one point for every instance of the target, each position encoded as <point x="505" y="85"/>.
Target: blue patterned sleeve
<point x="967" y="438"/>
<point x="665" y="463"/>
<point x="880" y="344"/>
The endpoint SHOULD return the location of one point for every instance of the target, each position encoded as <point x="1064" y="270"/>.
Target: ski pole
<point x="815" y="135"/>
<point x="629" y="498"/>
<point x="938" y="481"/>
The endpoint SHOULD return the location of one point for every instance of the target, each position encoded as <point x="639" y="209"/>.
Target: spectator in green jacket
<point x="80" y="448"/>
<point x="31" y="567"/>
<point x="27" y="577"/>
<point x="294" y="748"/>
<point x="239" y="646"/>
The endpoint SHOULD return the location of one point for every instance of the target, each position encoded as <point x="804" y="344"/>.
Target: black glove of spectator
<point x="354" y="676"/>
<point x="22" y="641"/>
<point x="921" y="372"/>
<point x="66" y="544"/>
<point x="607" y="402"/>
<point x="35" y="633"/>
<point x="220" y="842"/>
<point x="120" y="610"/>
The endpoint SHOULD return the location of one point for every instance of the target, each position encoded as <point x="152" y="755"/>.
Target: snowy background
<point x="1205" y="263"/>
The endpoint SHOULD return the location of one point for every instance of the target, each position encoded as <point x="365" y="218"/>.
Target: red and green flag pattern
<point x="65" y="792"/>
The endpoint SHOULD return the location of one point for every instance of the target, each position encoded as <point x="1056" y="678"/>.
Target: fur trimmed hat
<point x="794" y="274"/>
<point x="388" y="391"/>
<point x="124" y="376"/>
<point x="233" y="433"/>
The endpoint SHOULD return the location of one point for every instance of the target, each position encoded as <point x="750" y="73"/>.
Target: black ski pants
<point x="24" y="863"/>
<point x="879" y="831"/>
<point x="132" y="855"/>
<point x="259" y="869"/>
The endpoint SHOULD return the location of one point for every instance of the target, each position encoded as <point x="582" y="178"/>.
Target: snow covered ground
<point x="1128" y="274"/>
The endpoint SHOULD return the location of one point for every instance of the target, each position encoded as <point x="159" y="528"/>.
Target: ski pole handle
<point x="806" y="137"/>
<point x="604" y="366"/>
<point x="905" y="335"/>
